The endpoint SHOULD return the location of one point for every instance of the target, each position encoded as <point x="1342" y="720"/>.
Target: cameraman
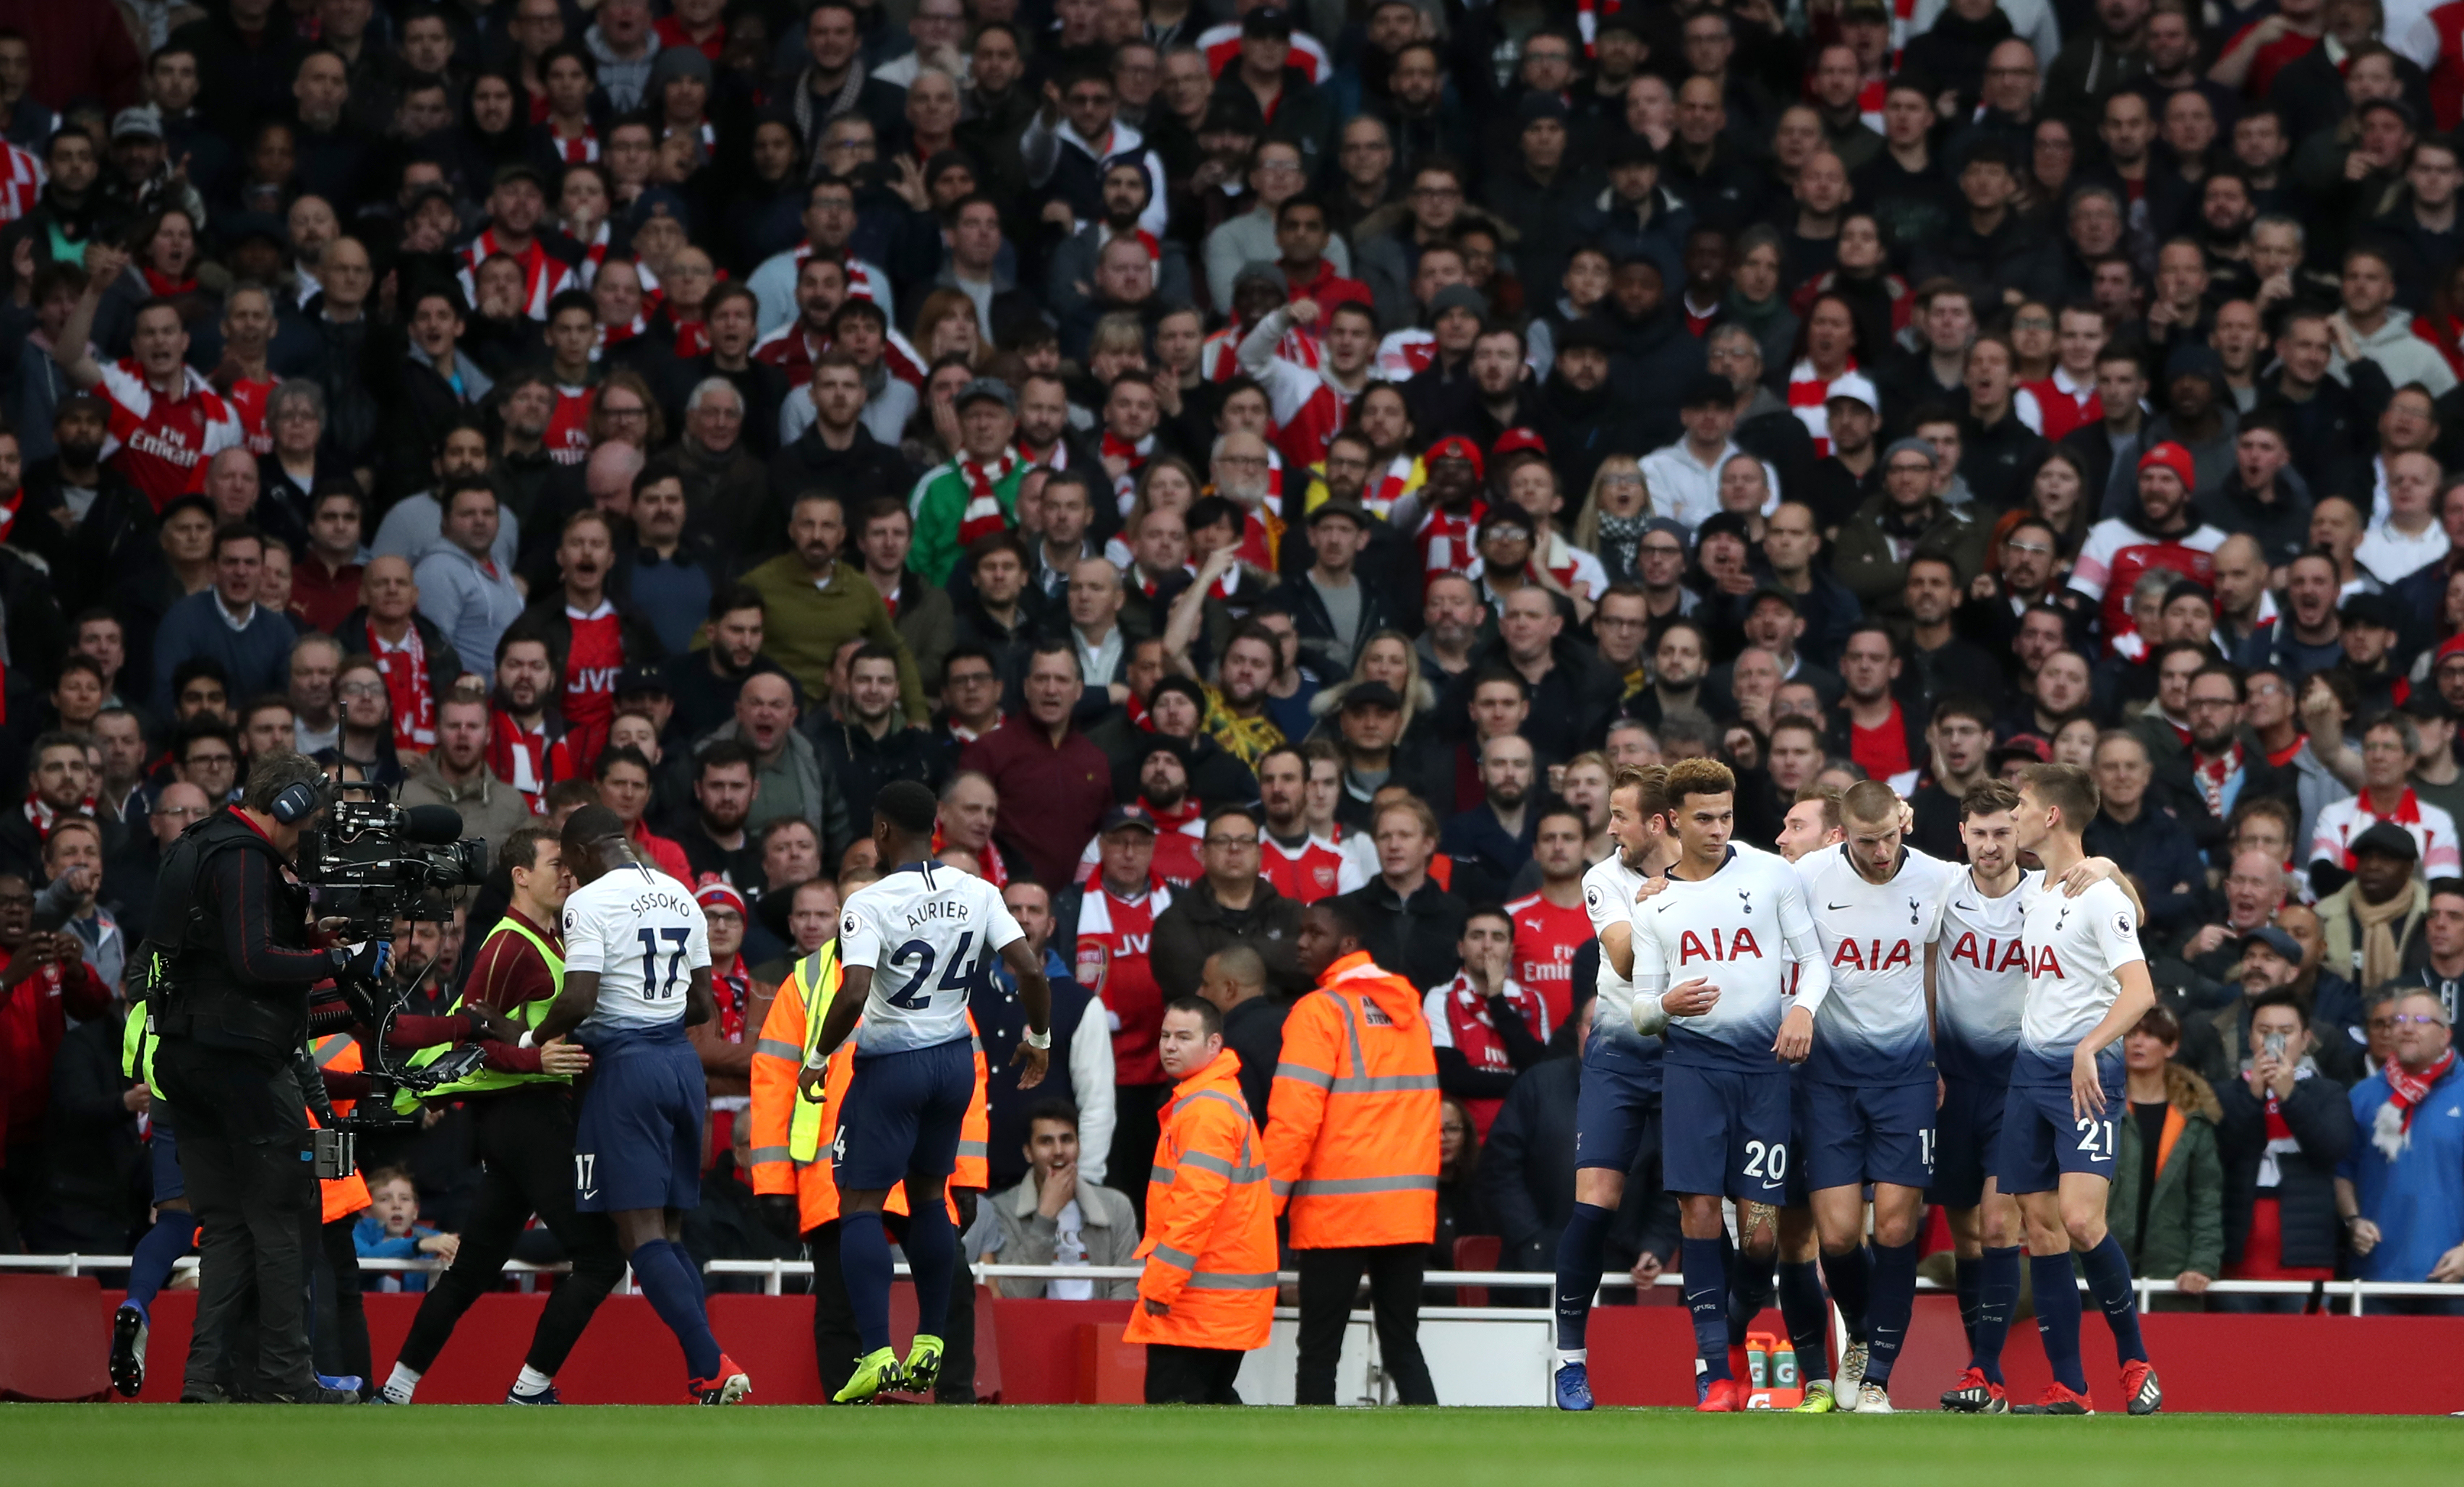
<point x="229" y="965"/>
<point x="523" y="1106"/>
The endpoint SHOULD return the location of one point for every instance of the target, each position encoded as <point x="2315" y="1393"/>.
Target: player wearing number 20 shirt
<point x="1725" y="1096"/>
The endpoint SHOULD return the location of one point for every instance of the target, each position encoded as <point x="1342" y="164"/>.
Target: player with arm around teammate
<point x="1864" y="1100"/>
<point x="1731" y="922"/>
<point x="2087" y="986"/>
<point x="636" y="976"/>
<point x="1616" y="1103"/>
<point x="915" y="946"/>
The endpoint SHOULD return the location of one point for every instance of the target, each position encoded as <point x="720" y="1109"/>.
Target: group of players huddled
<point x="1851" y="1012"/>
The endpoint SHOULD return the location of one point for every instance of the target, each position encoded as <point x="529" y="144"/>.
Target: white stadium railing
<point x="775" y="1274"/>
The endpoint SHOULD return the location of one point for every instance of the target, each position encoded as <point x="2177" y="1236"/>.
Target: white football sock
<point x="530" y="1381"/>
<point x="398" y="1387"/>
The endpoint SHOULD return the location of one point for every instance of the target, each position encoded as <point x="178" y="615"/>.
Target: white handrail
<point x="774" y="1273"/>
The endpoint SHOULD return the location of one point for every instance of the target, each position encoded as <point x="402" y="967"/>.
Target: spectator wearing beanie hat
<point x="2159" y="532"/>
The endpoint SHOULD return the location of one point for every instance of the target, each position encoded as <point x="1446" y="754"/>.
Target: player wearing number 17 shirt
<point x="1864" y="1100"/>
<point x="915" y="947"/>
<point x="2087" y="986"/>
<point x="1715" y="956"/>
<point x="636" y="972"/>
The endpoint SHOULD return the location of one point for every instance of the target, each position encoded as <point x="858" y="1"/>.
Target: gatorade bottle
<point x="1787" y="1389"/>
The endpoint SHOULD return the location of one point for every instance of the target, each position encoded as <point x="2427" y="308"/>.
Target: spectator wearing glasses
<point x="1231" y="903"/>
<point x="2400" y="1189"/>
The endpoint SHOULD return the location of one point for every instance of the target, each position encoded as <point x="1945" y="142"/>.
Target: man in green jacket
<point x="813" y="603"/>
<point x="2166" y="1204"/>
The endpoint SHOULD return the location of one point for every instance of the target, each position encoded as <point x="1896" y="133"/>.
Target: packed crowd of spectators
<point x="1238" y="455"/>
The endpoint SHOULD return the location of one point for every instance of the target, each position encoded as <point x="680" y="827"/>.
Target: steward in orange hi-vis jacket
<point x="1351" y="1135"/>
<point x="791" y="1168"/>
<point x="1208" y="1294"/>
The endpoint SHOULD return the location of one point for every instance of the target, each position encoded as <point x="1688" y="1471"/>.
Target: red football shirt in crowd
<point x="1115" y="940"/>
<point x="1545" y="937"/>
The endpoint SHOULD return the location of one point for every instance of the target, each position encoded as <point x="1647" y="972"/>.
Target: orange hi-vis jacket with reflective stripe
<point x="1210" y="1239"/>
<point x="779" y="1055"/>
<point x="1352" y="1123"/>
<point x="342" y="1196"/>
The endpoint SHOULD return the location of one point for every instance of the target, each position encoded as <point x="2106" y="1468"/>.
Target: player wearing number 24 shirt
<point x="636" y="972"/>
<point x="916" y="945"/>
<point x="2087" y="986"/>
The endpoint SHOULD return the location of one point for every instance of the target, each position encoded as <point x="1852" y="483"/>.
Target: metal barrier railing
<point x="774" y="1273"/>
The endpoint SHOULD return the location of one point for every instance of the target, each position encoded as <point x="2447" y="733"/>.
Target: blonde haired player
<point x="2087" y="986"/>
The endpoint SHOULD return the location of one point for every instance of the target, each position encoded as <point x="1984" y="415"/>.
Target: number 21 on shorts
<point x="2096" y="1139"/>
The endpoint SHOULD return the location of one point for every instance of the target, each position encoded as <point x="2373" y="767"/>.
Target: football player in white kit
<point x="916" y="945"/>
<point x="1731" y="927"/>
<point x="1617" y="1102"/>
<point x="1864" y="1100"/>
<point x="636" y="974"/>
<point x="2087" y="986"/>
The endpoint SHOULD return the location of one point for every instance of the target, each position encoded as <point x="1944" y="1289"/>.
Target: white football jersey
<point x="2074" y="947"/>
<point x="644" y="936"/>
<point x="929" y="934"/>
<point x="1745" y="931"/>
<point x="1873" y="1028"/>
<point x="1609" y="888"/>
<point x="1980" y="978"/>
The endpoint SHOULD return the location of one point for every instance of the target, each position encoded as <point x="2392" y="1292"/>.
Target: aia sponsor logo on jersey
<point x="1871" y="955"/>
<point x="1741" y="946"/>
<point x="2045" y="964"/>
<point x="1990" y="955"/>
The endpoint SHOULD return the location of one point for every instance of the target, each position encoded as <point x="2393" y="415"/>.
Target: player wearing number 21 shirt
<point x="2087" y="986"/>
<point x="1731" y="927"/>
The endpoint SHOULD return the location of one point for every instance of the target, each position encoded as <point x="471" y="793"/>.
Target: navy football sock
<point x="149" y="1267"/>
<point x="1808" y="1318"/>
<point x="1895" y="1296"/>
<point x="932" y="1246"/>
<point x="1997" y="1295"/>
<point x="1850" y="1275"/>
<point x="2058" y="1316"/>
<point x="1706" y="1297"/>
<point x="865" y="1266"/>
<point x="1750" y="1291"/>
<point x="1580" y="1252"/>
<point x="1967" y="1279"/>
<point x="664" y="1271"/>
<point x="2108" y="1275"/>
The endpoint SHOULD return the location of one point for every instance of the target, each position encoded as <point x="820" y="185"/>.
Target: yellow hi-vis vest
<point x="137" y="1041"/>
<point x="817" y="978"/>
<point x="530" y="1015"/>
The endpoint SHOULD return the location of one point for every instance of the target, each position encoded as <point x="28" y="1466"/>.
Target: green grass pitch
<point x="53" y="1446"/>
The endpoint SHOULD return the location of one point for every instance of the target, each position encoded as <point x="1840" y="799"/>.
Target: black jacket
<point x="864" y="468"/>
<point x="1526" y="1177"/>
<point x="1414" y="938"/>
<point x="357" y="365"/>
<point x="98" y="1190"/>
<point x="2319" y="1113"/>
<point x="1197" y="926"/>
<point x="863" y="764"/>
<point x="1334" y="652"/>
<point x="88" y="558"/>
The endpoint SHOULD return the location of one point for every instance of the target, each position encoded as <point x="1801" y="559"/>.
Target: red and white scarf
<point x="40" y="812"/>
<point x="405" y="670"/>
<point x="2211" y="775"/>
<point x="582" y="149"/>
<point x="1134" y="455"/>
<point x="1391" y="485"/>
<point x="983" y="516"/>
<point x="2406" y="1089"/>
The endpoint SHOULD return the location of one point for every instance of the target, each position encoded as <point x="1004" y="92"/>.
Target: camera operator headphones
<point x="297" y="801"/>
